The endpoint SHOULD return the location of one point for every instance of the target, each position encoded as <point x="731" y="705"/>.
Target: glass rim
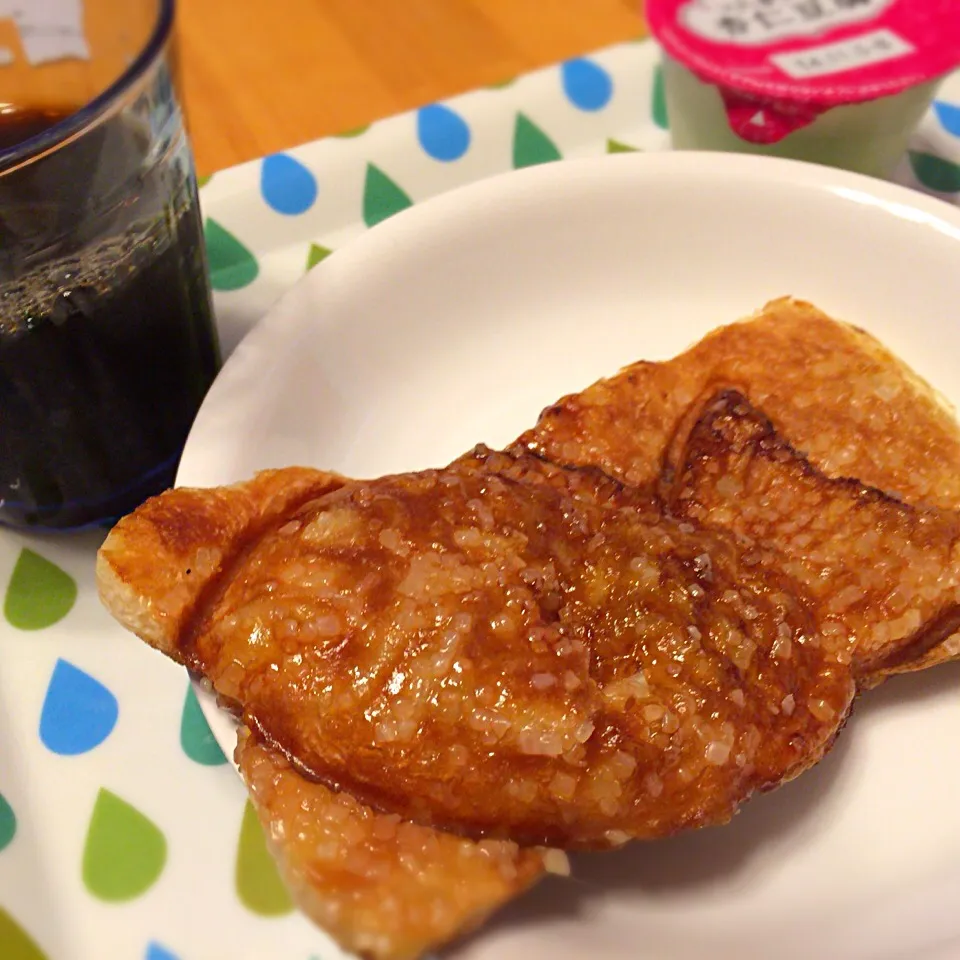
<point x="94" y="110"/>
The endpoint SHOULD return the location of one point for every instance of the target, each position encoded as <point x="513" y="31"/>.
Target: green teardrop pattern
<point x="16" y="942"/>
<point x="196" y="737"/>
<point x="382" y="198"/>
<point x="935" y="173"/>
<point x="232" y="265"/>
<point x="615" y="146"/>
<point x="531" y="145"/>
<point x="316" y="254"/>
<point x="203" y="181"/>
<point x="501" y="84"/>
<point x="353" y="132"/>
<point x="659" y="100"/>
<point x="39" y="593"/>
<point x="259" y="886"/>
<point x="124" y="853"/>
<point x="8" y="824"/>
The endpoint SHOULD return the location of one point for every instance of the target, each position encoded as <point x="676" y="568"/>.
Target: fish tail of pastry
<point x="883" y="575"/>
<point x="383" y="888"/>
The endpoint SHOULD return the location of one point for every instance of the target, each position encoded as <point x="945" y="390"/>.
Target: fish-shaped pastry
<point x="623" y="662"/>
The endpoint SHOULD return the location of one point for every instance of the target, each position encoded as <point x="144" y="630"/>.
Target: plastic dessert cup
<point x="837" y="82"/>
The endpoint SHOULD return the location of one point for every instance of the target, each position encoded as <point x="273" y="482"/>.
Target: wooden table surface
<point x="262" y="75"/>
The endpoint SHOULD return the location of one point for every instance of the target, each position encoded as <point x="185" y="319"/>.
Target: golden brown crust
<point x="832" y="391"/>
<point x="884" y="575"/>
<point x="623" y="673"/>
<point x="383" y="888"/>
<point x="413" y="639"/>
<point x="155" y="563"/>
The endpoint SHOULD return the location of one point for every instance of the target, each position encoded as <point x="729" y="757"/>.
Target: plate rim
<point x="245" y="364"/>
<point x="901" y="202"/>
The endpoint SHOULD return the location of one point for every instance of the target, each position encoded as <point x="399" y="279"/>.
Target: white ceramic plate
<point x="458" y="320"/>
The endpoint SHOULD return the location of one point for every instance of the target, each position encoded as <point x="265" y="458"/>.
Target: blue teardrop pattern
<point x="949" y="116"/>
<point x="287" y="185"/>
<point x="442" y="132"/>
<point x="78" y="711"/>
<point x="587" y="85"/>
<point x="157" y="952"/>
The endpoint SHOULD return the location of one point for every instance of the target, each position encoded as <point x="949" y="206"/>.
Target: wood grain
<point x="262" y="75"/>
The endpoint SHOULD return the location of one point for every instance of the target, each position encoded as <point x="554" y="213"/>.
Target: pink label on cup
<point x="781" y="63"/>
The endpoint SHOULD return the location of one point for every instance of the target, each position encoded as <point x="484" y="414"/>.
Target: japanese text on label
<point x="759" y="22"/>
